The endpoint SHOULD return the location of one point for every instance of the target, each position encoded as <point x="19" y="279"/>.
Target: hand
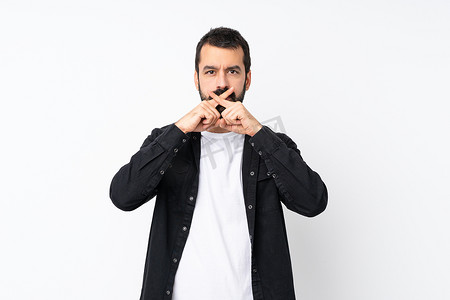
<point x="203" y="116"/>
<point x="236" y="117"/>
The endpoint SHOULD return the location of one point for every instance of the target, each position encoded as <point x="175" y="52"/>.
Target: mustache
<point x="218" y="92"/>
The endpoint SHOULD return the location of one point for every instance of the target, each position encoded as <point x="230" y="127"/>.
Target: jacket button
<point x="252" y="173"/>
<point x="191" y="198"/>
<point x="175" y="260"/>
<point x="259" y="152"/>
<point x="175" y="150"/>
<point x="254" y="270"/>
<point x="184" y="228"/>
<point x="253" y="144"/>
<point x="162" y="172"/>
<point x="268" y="173"/>
<point x="273" y="175"/>
<point x="168" y="292"/>
<point x="184" y="140"/>
<point x="250" y="206"/>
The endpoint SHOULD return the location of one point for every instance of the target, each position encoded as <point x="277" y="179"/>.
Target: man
<point x="219" y="177"/>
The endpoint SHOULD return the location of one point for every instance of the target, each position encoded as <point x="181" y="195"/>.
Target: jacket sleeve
<point x="301" y="189"/>
<point x="136" y="182"/>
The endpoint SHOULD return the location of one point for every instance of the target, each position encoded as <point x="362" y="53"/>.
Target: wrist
<point x="180" y="127"/>
<point x="258" y="128"/>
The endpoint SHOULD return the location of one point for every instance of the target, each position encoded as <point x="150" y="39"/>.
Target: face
<point x="221" y="69"/>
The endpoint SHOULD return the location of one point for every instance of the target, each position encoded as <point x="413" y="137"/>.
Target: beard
<point x="218" y="92"/>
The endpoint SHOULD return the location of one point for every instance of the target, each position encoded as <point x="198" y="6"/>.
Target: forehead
<point x="211" y="55"/>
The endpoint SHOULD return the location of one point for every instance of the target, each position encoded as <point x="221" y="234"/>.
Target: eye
<point x="234" y="72"/>
<point x="210" y="72"/>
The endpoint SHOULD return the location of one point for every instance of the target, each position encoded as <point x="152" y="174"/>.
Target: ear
<point x="249" y="80"/>
<point x="196" y="79"/>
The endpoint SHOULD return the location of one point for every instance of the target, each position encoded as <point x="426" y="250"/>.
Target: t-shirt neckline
<point x="219" y="135"/>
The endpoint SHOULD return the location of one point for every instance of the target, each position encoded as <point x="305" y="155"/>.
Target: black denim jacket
<point x="167" y="165"/>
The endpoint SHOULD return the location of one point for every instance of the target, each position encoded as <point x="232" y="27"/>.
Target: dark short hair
<point x="224" y="37"/>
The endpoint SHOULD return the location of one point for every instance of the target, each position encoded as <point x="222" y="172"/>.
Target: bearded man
<point x="219" y="177"/>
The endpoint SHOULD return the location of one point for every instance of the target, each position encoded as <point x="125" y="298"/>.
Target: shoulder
<point x="283" y="136"/>
<point x="288" y="141"/>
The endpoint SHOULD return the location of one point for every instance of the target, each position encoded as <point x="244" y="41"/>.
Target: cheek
<point x="207" y="85"/>
<point x="238" y="83"/>
<point x="239" y="87"/>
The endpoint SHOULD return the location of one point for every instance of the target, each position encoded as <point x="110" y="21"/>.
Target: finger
<point x="209" y="117"/>
<point x="235" y="112"/>
<point x="236" y="106"/>
<point x="218" y="99"/>
<point x="224" y="95"/>
<point x="234" y="117"/>
<point x="227" y="93"/>
<point x="211" y="114"/>
<point x="213" y="104"/>
<point x="204" y="113"/>
<point x="229" y="115"/>
<point x="222" y="98"/>
<point x="213" y="120"/>
<point x="214" y="124"/>
<point x="231" y="120"/>
<point x="235" y="128"/>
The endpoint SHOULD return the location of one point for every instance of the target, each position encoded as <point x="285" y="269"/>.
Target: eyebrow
<point x="235" y="67"/>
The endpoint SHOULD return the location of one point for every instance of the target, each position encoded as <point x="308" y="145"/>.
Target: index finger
<point x="227" y="93"/>
<point x="222" y="98"/>
<point x="213" y="101"/>
<point x="224" y="95"/>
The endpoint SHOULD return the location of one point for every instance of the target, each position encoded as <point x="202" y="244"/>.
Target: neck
<point x="217" y="130"/>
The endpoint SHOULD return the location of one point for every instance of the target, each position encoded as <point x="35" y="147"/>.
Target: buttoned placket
<point x="250" y="202"/>
<point x="183" y="234"/>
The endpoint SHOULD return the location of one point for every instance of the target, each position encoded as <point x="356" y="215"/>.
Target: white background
<point x="362" y="87"/>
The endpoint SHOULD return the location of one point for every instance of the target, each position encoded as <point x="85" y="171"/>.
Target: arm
<point x="135" y="183"/>
<point x="301" y="189"/>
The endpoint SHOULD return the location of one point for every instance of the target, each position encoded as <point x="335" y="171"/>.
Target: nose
<point x="221" y="80"/>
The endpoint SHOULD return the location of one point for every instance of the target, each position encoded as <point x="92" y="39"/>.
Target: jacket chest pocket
<point x="175" y="178"/>
<point x="179" y="166"/>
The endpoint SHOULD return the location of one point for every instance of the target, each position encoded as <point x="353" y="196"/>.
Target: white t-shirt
<point x="216" y="260"/>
